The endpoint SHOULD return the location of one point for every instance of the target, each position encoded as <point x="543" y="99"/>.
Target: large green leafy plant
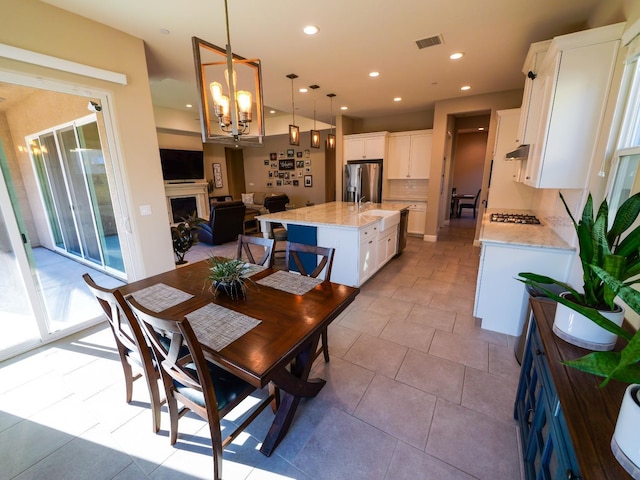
<point x="611" y="262"/>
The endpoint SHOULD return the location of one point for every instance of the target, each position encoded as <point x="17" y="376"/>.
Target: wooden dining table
<point x="280" y="349"/>
<point x="455" y="201"/>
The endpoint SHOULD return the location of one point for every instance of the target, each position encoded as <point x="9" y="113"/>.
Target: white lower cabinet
<point x="387" y="245"/>
<point x="417" y="218"/>
<point x="501" y="300"/>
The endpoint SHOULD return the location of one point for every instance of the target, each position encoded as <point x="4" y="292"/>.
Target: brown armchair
<point x="225" y="223"/>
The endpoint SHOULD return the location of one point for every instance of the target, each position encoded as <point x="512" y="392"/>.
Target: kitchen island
<point x="365" y="237"/>
<point x="508" y="249"/>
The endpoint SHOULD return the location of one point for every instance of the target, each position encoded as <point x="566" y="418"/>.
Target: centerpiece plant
<point x="228" y="276"/>
<point x="611" y="265"/>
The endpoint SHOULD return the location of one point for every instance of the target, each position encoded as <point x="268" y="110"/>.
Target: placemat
<point x="252" y="269"/>
<point x="159" y="297"/>
<point x="290" y="282"/>
<point x="218" y="326"/>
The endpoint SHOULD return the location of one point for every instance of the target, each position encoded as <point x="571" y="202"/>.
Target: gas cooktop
<point x="515" y="218"/>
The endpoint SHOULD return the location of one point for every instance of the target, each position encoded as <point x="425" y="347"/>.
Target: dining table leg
<point x="295" y="385"/>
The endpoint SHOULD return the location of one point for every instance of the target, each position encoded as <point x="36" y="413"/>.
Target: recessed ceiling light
<point x="397" y="99"/>
<point x="374" y="74"/>
<point x="188" y="105"/>
<point x="272" y="111"/>
<point x="310" y="29"/>
<point x="303" y="90"/>
<point x="456" y="56"/>
<point x="481" y="129"/>
<point x="465" y="88"/>
<point x="344" y="108"/>
<point x="165" y="31"/>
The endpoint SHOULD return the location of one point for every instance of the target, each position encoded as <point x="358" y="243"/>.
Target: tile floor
<point x="415" y="390"/>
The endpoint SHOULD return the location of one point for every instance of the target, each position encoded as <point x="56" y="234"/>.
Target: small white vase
<point x="625" y="443"/>
<point x="576" y="329"/>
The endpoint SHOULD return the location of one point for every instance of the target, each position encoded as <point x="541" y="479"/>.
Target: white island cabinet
<point x="361" y="247"/>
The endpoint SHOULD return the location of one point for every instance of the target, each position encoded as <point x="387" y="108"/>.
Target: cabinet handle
<point x="573" y="476"/>
<point x="539" y="352"/>
<point x="527" y="178"/>
<point x="532" y="75"/>
<point x="370" y="242"/>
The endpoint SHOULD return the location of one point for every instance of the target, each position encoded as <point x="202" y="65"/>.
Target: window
<point x="625" y="180"/>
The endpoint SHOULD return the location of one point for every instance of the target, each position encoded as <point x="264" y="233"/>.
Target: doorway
<point x="58" y="210"/>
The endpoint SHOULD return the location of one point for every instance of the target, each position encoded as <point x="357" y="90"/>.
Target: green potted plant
<point x="592" y="319"/>
<point x="228" y="276"/>
<point x="194" y="221"/>
<point x="182" y="238"/>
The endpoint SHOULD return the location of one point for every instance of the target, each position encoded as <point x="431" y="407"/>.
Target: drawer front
<point x="368" y="232"/>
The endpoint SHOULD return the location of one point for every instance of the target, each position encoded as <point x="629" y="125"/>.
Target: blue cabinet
<point x="546" y="446"/>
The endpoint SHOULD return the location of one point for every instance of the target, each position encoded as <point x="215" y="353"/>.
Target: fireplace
<point x="183" y="207"/>
<point x="185" y="198"/>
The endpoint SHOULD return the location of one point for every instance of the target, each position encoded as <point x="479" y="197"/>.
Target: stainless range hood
<point x="520" y="153"/>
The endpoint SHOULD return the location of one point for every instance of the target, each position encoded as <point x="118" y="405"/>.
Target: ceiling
<point x="355" y="37"/>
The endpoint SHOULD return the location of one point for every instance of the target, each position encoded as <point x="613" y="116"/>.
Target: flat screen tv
<point x="181" y="165"/>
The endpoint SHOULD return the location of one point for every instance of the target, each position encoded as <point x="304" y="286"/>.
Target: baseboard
<point x="430" y="238"/>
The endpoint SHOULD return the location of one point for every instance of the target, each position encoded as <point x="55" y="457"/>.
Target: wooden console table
<point x="566" y="421"/>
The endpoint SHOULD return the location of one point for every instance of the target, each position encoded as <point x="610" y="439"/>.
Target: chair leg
<point x="174" y="415"/>
<point x="128" y="380"/>
<point x="156" y="402"/>
<point x="325" y="345"/>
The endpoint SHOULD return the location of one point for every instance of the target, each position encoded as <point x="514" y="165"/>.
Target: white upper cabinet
<point x="409" y="155"/>
<point x="531" y="101"/>
<point x="365" y="146"/>
<point x="573" y="87"/>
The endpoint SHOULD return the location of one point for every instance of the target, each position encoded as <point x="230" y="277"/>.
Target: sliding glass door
<point x="71" y="173"/>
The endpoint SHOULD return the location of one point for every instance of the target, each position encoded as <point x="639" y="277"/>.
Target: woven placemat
<point x="159" y="297"/>
<point x="290" y="282"/>
<point x="252" y="269"/>
<point x="217" y="326"/>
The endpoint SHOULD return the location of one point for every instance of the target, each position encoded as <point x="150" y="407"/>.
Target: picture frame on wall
<point x="274" y="165"/>
<point x="269" y="184"/>
<point x="298" y="154"/>
<point x="307" y="169"/>
<point x="287" y="164"/>
<point x="307" y="162"/>
<point x="299" y="163"/>
<point x="300" y="173"/>
<point x="308" y="181"/>
<point x="266" y="162"/>
<point x="278" y="183"/>
<point x="273" y="156"/>
<point x="307" y="153"/>
<point x="217" y="175"/>
<point x="296" y="183"/>
<point x="290" y="152"/>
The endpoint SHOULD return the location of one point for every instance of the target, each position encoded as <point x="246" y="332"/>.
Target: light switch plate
<point x="145" y="210"/>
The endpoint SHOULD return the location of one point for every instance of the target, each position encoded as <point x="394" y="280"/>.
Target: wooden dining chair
<point x="244" y="249"/>
<point x="132" y="347"/>
<point x="325" y="257"/>
<point x="473" y="205"/>
<point x="200" y="386"/>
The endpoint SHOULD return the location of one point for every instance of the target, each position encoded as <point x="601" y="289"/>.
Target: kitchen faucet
<point x="360" y="202"/>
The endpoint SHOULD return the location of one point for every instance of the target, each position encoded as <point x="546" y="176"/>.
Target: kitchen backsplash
<point x="547" y="204"/>
<point x="408" y="189"/>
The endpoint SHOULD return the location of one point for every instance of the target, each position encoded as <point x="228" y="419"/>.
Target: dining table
<point x="278" y="323"/>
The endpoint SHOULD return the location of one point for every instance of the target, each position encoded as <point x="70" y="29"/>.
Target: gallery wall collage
<point x="291" y="168"/>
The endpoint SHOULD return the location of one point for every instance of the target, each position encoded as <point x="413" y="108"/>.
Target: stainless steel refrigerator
<point x="363" y="181"/>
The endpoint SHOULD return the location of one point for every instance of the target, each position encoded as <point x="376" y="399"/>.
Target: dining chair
<point x="244" y="249"/>
<point x="292" y="257"/>
<point x="473" y="205"/>
<point x="200" y="386"/>
<point x="132" y="346"/>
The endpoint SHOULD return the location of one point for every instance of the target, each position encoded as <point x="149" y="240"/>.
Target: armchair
<point x="225" y="223"/>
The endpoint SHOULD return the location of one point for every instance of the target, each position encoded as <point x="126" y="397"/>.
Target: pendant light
<point x="227" y="92"/>
<point x="331" y="138"/>
<point x="315" y="134"/>
<point x="294" y="130"/>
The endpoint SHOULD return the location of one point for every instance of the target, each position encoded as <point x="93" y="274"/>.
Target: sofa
<point x="226" y="222"/>
<point x="255" y="200"/>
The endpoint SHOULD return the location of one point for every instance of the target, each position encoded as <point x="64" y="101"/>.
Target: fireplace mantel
<point x="188" y="189"/>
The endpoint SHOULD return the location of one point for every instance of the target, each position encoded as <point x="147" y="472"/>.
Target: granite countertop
<point x="520" y="234"/>
<point x="335" y="214"/>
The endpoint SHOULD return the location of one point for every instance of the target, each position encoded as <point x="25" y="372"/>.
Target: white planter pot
<point x="625" y="443"/>
<point x="577" y="329"/>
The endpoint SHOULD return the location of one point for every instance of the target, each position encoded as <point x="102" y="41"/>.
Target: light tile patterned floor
<point x="415" y="390"/>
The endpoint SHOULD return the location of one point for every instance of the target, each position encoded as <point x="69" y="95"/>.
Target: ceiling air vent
<point x="430" y="41"/>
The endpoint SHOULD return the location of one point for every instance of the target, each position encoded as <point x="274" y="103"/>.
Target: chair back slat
<point x="244" y="249"/>
<point x="175" y="346"/>
<point x="292" y="257"/>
